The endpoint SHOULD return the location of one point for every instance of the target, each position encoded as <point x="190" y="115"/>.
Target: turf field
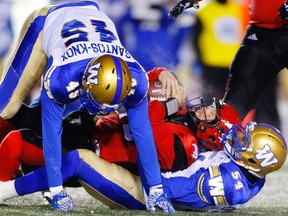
<point x="272" y="200"/>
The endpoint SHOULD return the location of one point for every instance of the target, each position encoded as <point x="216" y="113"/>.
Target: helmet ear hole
<point x="202" y="127"/>
<point x="212" y="138"/>
<point x="252" y="161"/>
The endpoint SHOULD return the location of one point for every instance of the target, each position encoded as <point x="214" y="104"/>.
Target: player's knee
<point x="70" y="162"/>
<point x="12" y="145"/>
<point x="83" y="153"/>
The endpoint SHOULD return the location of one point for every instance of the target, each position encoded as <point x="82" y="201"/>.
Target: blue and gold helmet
<point x="106" y="84"/>
<point x="259" y="148"/>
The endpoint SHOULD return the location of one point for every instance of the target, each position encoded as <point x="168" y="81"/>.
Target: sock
<point x="55" y="190"/>
<point x="7" y="190"/>
<point x="32" y="182"/>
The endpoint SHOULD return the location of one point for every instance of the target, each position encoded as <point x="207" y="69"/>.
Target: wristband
<point x="171" y="106"/>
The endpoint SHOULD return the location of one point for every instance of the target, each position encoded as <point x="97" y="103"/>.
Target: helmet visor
<point x="201" y="112"/>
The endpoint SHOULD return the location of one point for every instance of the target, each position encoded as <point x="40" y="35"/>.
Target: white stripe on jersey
<point x="205" y="160"/>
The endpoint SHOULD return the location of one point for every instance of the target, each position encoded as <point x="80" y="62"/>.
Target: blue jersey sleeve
<point x="139" y="124"/>
<point x="141" y="130"/>
<point x="52" y="115"/>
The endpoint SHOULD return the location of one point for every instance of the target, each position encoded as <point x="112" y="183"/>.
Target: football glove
<point x="283" y="11"/>
<point x="61" y="201"/>
<point x="157" y="200"/>
<point x="181" y="6"/>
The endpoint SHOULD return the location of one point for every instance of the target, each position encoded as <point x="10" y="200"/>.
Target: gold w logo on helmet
<point x="267" y="156"/>
<point x="92" y="74"/>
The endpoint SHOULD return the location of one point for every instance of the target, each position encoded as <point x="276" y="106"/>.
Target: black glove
<point x="181" y="6"/>
<point x="283" y="11"/>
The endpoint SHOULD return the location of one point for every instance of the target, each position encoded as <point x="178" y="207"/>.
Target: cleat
<point x="46" y="197"/>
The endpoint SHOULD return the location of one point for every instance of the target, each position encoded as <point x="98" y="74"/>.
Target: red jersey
<point x="176" y="144"/>
<point x="264" y="13"/>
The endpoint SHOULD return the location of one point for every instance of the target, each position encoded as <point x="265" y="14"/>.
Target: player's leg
<point x="19" y="146"/>
<point x="250" y="73"/>
<point x="10" y="150"/>
<point x="37" y="180"/>
<point x="24" y="66"/>
<point x="111" y="184"/>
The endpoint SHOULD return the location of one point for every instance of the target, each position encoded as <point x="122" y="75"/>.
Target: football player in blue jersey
<point x="216" y="181"/>
<point x="76" y="48"/>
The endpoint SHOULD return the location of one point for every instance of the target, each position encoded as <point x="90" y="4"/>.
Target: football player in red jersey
<point x="261" y="56"/>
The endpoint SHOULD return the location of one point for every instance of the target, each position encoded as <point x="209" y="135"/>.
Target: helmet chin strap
<point x="250" y="170"/>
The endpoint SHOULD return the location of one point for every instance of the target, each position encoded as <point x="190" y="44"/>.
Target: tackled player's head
<point x="209" y="123"/>
<point x="259" y="148"/>
<point x="106" y="84"/>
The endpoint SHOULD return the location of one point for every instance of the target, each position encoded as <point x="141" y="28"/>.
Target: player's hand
<point x="180" y="96"/>
<point x="283" y="11"/>
<point x="61" y="201"/>
<point x="181" y="6"/>
<point x="157" y="200"/>
<point x="170" y="85"/>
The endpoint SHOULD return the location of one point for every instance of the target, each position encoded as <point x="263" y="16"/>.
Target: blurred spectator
<point x="216" y="36"/>
<point x="150" y="35"/>
<point x="6" y="33"/>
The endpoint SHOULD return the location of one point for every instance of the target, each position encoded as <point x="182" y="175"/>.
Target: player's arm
<point x="141" y="130"/>
<point x="139" y="124"/>
<point x="148" y="166"/>
<point x="154" y="73"/>
<point x="52" y="115"/>
<point x="108" y="125"/>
